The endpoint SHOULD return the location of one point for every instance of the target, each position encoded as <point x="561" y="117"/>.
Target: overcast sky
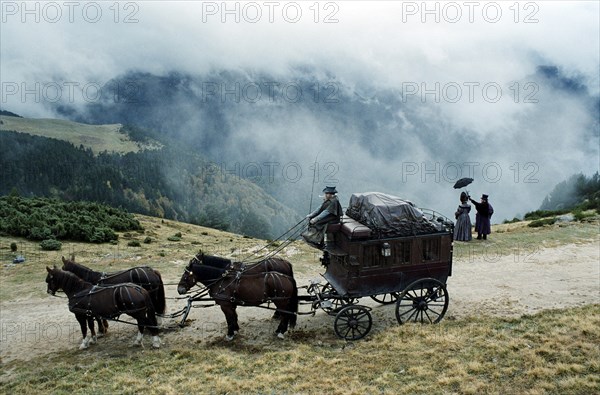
<point x="408" y="46"/>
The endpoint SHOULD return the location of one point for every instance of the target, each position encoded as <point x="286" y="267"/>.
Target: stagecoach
<point x="386" y="249"/>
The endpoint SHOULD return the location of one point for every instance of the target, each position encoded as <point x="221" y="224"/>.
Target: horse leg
<point x="153" y="328"/>
<point x="90" y="322"/>
<point x="231" y="318"/>
<point x="147" y="320"/>
<point x="140" y="334"/>
<point x="102" y="326"/>
<point x="82" y="319"/>
<point x="290" y="307"/>
<point x="283" y="320"/>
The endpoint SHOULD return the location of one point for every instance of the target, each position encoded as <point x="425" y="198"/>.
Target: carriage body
<point x="406" y="260"/>
<point x="357" y="265"/>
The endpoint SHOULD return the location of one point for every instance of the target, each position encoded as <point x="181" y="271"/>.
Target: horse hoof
<point x="83" y="346"/>
<point x="93" y="340"/>
<point x="155" y="342"/>
<point x="229" y="338"/>
<point x="281" y="335"/>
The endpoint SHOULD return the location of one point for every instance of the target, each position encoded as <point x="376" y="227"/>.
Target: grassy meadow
<point x="97" y="137"/>
<point x="553" y="352"/>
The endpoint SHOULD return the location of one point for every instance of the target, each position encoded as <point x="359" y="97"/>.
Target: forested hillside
<point x="167" y="182"/>
<point x="577" y="190"/>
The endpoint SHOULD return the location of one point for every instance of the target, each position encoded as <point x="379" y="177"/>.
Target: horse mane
<point x="81" y="271"/>
<point x="207" y="274"/>
<point x="70" y="281"/>
<point x="212" y="260"/>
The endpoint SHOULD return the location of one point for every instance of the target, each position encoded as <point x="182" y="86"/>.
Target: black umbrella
<point x="463" y="182"/>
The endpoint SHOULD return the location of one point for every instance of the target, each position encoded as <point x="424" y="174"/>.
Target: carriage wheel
<point x="329" y="294"/>
<point x="386" y="298"/>
<point x="353" y="322"/>
<point x="424" y="301"/>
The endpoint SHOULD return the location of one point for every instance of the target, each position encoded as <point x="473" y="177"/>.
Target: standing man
<point x="483" y="217"/>
<point x="330" y="212"/>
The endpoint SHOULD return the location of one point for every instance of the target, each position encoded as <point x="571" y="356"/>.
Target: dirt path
<point x="561" y="277"/>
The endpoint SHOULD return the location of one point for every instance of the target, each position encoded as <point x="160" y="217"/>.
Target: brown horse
<point x="266" y="265"/>
<point x="230" y="288"/>
<point x="88" y="301"/>
<point x="144" y="276"/>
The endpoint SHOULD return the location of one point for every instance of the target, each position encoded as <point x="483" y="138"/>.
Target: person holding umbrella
<point x="483" y="217"/>
<point x="462" y="230"/>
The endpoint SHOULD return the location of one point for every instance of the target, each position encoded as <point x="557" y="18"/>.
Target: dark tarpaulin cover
<point x="388" y="215"/>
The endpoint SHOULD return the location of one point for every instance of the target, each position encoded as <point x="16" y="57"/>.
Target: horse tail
<point x="291" y="269"/>
<point x="151" y="320"/>
<point x="293" y="304"/>
<point x="159" y="299"/>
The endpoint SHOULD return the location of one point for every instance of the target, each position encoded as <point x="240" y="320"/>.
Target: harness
<point x="82" y="302"/>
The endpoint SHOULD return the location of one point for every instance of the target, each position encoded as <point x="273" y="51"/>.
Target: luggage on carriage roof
<point x="388" y="215"/>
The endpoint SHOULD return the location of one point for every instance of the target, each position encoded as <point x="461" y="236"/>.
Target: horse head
<point x="67" y="262"/>
<point x="51" y="280"/>
<point x="188" y="280"/>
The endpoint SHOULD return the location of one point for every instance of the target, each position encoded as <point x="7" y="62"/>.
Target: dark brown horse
<point x="266" y="265"/>
<point x="230" y="288"/>
<point x="88" y="301"/>
<point x="143" y="276"/>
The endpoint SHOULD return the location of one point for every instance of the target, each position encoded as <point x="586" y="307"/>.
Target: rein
<point x="285" y="243"/>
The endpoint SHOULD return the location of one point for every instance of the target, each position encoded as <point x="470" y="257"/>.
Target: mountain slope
<point x="169" y="182"/>
<point x="111" y="138"/>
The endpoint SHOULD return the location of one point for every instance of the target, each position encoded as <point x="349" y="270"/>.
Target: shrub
<point x="43" y="219"/>
<point x="581" y="215"/>
<point x="539" y="214"/>
<point x="541" y="222"/>
<point x="13" y="247"/>
<point x="147" y="240"/>
<point x="51" y="245"/>
<point x="40" y="233"/>
<point x="174" y="238"/>
<point x="134" y="243"/>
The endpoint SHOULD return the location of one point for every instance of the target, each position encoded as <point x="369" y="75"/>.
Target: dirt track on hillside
<point x="550" y="278"/>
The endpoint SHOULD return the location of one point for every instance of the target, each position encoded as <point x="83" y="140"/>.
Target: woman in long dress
<point x="462" y="230"/>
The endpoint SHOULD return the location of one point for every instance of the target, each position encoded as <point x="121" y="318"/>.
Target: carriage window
<point x="372" y="256"/>
<point x="401" y="252"/>
<point x="431" y="249"/>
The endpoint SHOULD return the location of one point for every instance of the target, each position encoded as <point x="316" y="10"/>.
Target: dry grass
<point x="554" y="352"/>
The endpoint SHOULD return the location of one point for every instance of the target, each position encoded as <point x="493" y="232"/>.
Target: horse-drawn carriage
<point x="384" y="248"/>
<point x="397" y="253"/>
